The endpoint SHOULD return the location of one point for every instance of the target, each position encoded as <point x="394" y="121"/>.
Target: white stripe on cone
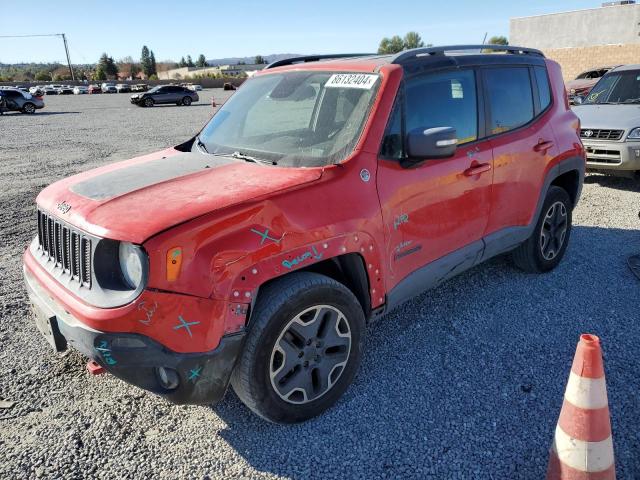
<point x="584" y="456"/>
<point x="587" y="393"/>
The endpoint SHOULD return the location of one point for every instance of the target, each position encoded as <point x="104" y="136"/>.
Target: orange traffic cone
<point x="583" y="448"/>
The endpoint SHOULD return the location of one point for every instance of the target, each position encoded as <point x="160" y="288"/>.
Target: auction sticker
<point x="351" y="80"/>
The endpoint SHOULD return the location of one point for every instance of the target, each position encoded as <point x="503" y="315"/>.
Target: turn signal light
<point x="174" y="262"/>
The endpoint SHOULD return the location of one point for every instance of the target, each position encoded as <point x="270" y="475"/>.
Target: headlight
<point x="634" y="134"/>
<point x="132" y="261"/>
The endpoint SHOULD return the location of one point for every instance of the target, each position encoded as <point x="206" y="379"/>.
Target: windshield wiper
<point x="201" y="144"/>
<point x="632" y="100"/>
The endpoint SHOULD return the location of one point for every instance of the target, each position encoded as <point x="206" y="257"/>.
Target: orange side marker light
<point x="174" y="262"/>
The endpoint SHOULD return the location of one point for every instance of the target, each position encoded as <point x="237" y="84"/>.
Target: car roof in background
<point x="624" y="68"/>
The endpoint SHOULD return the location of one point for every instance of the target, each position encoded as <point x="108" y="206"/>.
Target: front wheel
<point x="148" y="102"/>
<point x="546" y="246"/>
<point x="186" y="101"/>
<point x="302" y="350"/>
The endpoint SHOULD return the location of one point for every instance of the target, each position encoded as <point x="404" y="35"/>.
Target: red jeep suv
<point x="325" y="192"/>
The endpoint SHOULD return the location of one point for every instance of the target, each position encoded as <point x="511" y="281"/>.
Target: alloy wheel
<point x="310" y="354"/>
<point x="554" y="230"/>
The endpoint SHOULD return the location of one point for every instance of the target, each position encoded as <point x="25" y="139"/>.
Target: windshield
<point x="297" y="119"/>
<point x="618" y="87"/>
<point x="155" y="89"/>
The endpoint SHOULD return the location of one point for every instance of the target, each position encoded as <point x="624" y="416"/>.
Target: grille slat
<point x="69" y="249"/>
<point x="601" y="134"/>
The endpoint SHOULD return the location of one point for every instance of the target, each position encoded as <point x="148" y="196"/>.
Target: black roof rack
<point x="430" y="51"/>
<point x="314" y="58"/>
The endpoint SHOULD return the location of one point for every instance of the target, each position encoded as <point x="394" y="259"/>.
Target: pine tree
<point x="190" y="61"/>
<point x="145" y="61"/>
<point x="202" y="61"/>
<point x="152" y="61"/>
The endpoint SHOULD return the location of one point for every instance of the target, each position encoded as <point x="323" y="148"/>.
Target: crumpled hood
<point x="582" y="83"/>
<point x="135" y="199"/>
<point x="616" y="117"/>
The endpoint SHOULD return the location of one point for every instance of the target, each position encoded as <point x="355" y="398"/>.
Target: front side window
<point x="445" y="99"/>
<point x="616" y="87"/>
<point x="298" y="119"/>
<point x="510" y="98"/>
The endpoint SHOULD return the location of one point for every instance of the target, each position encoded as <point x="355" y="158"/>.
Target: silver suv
<point x="610" y="122"/>
<point x="12" y="99"/>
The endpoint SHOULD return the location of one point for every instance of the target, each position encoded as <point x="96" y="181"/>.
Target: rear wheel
<point x="148" y="102"/>
<point x="546" y="246"/>
<point x="29" y="108"/>
<point x="186" y="101"/>
<point x="303" y="348"/>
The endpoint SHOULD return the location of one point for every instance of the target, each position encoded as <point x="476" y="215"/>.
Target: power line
<point x="64" y="41"/>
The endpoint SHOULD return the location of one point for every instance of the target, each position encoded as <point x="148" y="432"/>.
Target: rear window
<point x="510" y="98"/>
<point x="544" y="91"/>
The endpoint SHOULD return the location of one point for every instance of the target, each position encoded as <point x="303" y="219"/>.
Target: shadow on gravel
<point x="619" y="183"/>
<point x="467" y="380"/>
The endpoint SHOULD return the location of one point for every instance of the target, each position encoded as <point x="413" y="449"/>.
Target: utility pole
<point x="66" y="49"/>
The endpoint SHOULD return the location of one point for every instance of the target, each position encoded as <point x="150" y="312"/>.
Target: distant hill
<point x="249" y="60"/>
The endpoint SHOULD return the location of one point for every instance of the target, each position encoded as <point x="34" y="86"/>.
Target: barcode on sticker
<point x="351" y="80"/>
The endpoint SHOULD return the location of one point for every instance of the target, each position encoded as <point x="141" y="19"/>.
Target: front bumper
<point x="612" y="156"/>
<point x="198" y="378"/>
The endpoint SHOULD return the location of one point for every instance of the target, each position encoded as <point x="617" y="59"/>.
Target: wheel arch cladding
<point x="570" y="182"/>
<point x="348" y="269"/>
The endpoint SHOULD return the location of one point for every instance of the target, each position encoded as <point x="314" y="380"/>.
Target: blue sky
<point x="250" y="27"/>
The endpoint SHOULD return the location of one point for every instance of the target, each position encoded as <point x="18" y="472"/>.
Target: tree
<point x="145" y="61"/>
<point x="153" y="69"/>
<point x="413" y="40"/>
<point x="260" y="60"/>
<point x="182" y="63"/>
<point x="498" y="40"/>
<point x="190" y="61"/>
<point x="99" y="74"/>
<point x="109" y="67"/>
<point x="43" y="76"/>
<point x="202" y="61"/>
<point x="391" y="45"/>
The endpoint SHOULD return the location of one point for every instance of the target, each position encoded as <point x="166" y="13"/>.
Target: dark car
<point x="19" y="101"/>
<point x="165" y="94"/>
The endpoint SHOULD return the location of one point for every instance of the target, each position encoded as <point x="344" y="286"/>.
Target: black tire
<point x="278" y="305"/>
<point x="186" y="101"/>
<point x="532" y="256"/>
<point x="148" y="102"/>
<point x="29" y="108"/>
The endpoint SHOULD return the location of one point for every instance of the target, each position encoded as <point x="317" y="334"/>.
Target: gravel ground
<point x="464" y="382"/>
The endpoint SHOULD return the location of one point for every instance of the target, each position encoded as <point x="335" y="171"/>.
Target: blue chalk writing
<point x="106" y="353"/>
<point x="185" y="325"/>
<point x="194" y="374"/>
<point x="265" y="236"/>
<point x="313" y="253"/>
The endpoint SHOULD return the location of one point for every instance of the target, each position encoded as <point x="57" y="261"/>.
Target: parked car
<point x="165" y="94"/>
<point x="584" y="82"/>
<point x="321" y="196"/>
<point x="19" y="101"/>
<point x="140" y="87"/>
<point x="195" y="88"/>
<point x="93" y="89"/>
<point x="123" y="88"/>
<point x="109" y="88"/>
<point x="50" y="90"/>
<point x="610" y="122"/>
<point x="37" y="91"/>
<point x="65" y="90"/>
<point x="228" y="86"/>
<point x="80" y="90"/>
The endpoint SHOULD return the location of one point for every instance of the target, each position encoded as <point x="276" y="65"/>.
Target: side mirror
<point x="578" y="100"/>
<point x="437" y="142"/>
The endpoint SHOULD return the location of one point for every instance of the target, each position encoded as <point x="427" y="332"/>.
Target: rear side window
<point x="544" y="92"/>
<point x="445" y="99"/>
<point x="510" y="98"/>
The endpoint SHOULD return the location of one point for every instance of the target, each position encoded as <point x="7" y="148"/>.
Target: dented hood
<point x="135" y="199"/>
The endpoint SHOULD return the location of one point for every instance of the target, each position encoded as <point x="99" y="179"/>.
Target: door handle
<point x="543" y="146"/>
<point x="477" y="169"/>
